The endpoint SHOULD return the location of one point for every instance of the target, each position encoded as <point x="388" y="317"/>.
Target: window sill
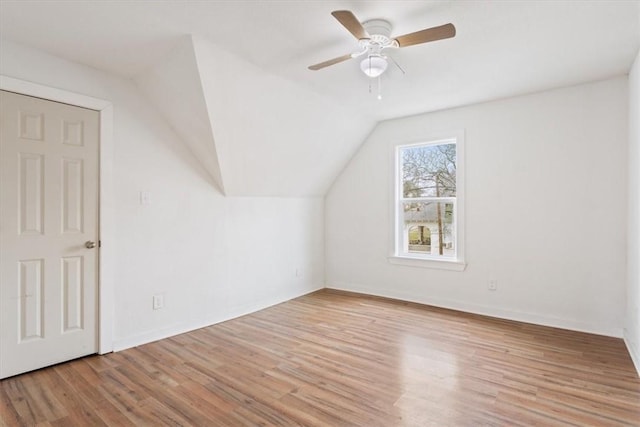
<point x="452" y="265"/>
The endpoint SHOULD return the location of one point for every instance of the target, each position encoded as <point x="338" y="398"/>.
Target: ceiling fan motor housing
<point x="374" y="37"/>
<point x="379" y="30"/>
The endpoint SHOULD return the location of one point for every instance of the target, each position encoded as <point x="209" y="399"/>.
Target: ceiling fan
<point x="374" y="37"/>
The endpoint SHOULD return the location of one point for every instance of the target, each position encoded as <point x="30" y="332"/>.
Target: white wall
<point x="632" y="325"/>
<point x="212" y="257"/>
<point x="545" y="210"/>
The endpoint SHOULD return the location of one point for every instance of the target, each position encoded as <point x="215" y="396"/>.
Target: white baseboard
<point x="534" y="318"/>
<point x="633" y="352"/>
<point x="183" y="327"/>
<point x="555" y="322"/>
<point x="159" y="334"/>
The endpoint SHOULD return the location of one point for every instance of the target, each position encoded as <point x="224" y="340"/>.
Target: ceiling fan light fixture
<point x="373" y="65"/>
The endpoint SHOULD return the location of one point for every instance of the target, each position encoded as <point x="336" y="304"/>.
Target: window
<point x="428" y="207"/>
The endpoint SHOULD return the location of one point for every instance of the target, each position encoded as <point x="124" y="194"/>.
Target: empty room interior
<point x="319" y="213"/>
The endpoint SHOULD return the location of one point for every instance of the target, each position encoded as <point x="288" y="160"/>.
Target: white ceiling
<point x="502" y="48"/>
<point x="231" y="77"/>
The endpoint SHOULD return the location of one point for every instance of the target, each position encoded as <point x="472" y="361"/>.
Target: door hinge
<point x="99" y="243"/>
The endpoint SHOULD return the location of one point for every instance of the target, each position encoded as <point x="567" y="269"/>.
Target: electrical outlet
<point x="298" y="272"/>
<point x="493" y="285"/>
<point x="158" y="302"/>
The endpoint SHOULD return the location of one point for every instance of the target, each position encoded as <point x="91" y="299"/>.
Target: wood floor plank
<point x="9" y="415"/>
<point x="333" y="358"/>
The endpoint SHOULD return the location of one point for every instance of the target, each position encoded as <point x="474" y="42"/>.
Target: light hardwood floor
<point x="337" y="359"/>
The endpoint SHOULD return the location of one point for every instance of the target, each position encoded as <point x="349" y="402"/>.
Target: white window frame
<point x="397" y="254"/>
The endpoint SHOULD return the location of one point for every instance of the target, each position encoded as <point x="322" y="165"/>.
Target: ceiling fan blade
<point x="351" y="23"/>
<point x="330" y="62"/>
<point x="429" y="35"/>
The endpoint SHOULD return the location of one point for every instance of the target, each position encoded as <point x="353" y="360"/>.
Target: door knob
<point x="89" y="244"/>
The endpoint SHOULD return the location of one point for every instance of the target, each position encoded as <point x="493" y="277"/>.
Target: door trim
<point x="106" y="203"/>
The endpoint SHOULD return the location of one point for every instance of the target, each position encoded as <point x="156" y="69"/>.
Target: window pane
<point x="429" y="228"/>
<point x="429" y="171"/>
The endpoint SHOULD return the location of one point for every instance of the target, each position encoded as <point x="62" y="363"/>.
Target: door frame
<point x="106" y="196"/>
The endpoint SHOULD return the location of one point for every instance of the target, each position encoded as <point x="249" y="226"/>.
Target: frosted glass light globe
<point x="373" y="66"/>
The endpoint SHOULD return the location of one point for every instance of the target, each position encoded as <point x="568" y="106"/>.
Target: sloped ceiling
<point x="274" y="137"/>
<point x="257" y="134"/>
<point x="175" y="88"/>
<point x="277" y="128"/>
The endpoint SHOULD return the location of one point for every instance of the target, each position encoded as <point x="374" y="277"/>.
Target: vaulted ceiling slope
<point x="240" y="94"/>
<point x="274" y="137"/>
<point x="175" y="88"/>
<point x="257" y="134"/>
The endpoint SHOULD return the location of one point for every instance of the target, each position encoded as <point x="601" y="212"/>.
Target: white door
<point x="48" y="225"/>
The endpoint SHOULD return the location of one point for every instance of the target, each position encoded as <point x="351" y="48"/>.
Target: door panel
<point x="48" y="210"/>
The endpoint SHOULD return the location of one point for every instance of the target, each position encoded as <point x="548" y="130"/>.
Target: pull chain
<point x="379" y="87"/>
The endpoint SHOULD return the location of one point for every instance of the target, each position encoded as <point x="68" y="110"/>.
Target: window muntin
<point x="426" y="200"/>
